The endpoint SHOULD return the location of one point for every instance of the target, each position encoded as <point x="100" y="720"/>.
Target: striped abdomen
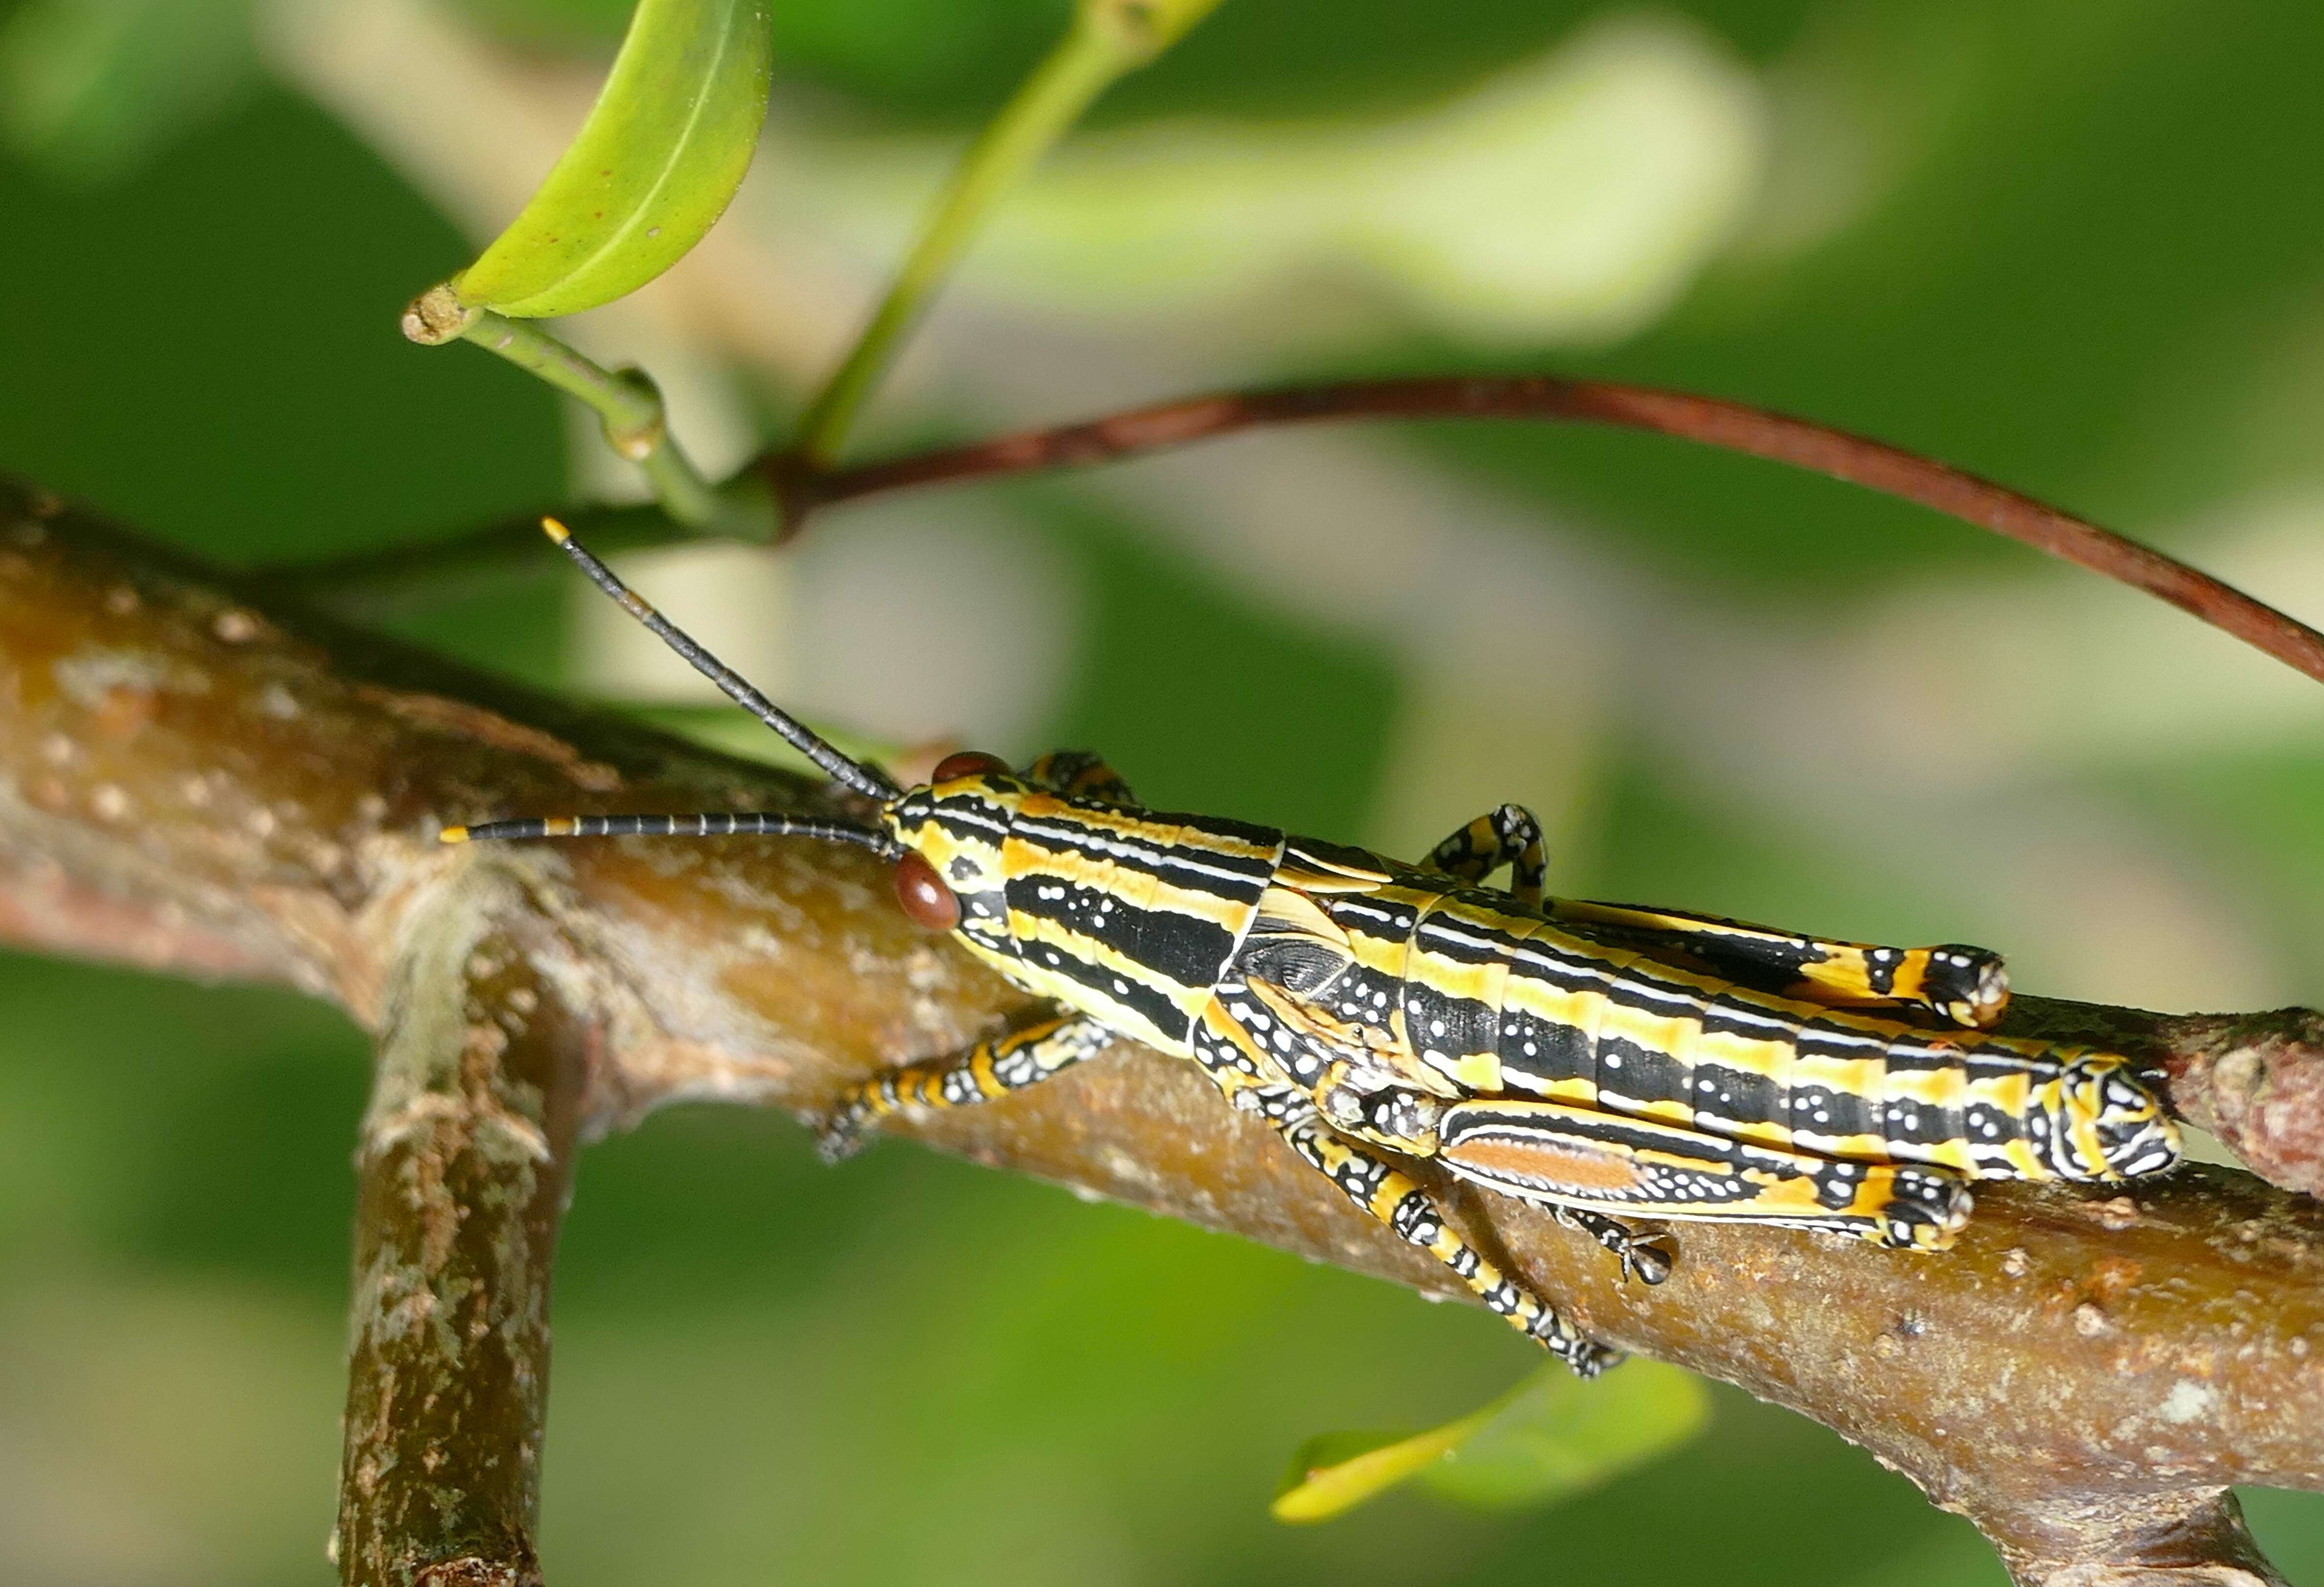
<point x="1502" y="1002"/>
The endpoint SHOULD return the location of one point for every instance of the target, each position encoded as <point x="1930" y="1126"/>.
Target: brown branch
<point x="2192" y="1539"/>
<point x="1715" y="423"/>
<point x="465" y="1167"/>
<point x="257" y="794"/>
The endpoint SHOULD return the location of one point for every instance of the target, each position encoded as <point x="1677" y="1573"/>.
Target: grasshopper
<point x="1603" y="1061"/>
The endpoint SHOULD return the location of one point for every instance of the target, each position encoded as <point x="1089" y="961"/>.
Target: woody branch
<point x="193" y="784"/>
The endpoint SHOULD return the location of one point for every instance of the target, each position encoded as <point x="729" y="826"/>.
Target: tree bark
<point x="463" y="1172"/>
<point x="198" y="786"/>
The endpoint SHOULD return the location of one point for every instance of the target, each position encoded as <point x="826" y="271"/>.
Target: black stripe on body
<point x="1157" y="1007"/>
<point x="1385" y="922"/>
<point x="1635" y="1076"/>
<point x="1159" y="963"/>
<point x="1741" y="1097"/>
<point x="1821" y="1112"/>
<point x="1539" y="1054"/>
<point x="969" y="822"/>
<point x="1186" y="949"/>
<point x="1363" y="995"/>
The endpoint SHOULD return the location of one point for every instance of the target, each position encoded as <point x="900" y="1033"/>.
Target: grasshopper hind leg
<point x="1580" y="1159"/>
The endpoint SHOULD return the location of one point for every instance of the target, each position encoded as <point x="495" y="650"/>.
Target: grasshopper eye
<point x="969" y="763"/>
<point x="924" y="895"/>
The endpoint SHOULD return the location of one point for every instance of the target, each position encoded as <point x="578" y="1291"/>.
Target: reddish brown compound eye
<point x="924" y="896"/>
<point x="969" y="763"/>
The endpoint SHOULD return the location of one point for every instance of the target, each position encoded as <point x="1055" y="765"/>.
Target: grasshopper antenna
<point x="867" y="780"/>
<point x="717" y="823"/>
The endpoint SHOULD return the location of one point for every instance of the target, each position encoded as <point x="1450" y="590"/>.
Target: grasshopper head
<point x="951" y="829"/>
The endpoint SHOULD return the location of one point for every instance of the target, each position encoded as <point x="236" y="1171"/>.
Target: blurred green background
<point x="2074" y="248"/>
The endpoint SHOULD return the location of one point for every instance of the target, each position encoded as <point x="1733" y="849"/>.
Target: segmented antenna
<point x="868" y="780"/>
<point x="716" y="824"/>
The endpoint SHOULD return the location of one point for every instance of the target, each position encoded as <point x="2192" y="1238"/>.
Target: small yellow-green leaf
<point x="662" y="151"/>
<point x="1551" y="1436"/>
<point x="1335" y="1472"/>
<point x="1556" y="1435"/>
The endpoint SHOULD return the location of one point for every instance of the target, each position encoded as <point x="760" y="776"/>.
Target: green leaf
<point x="1557" y="1435"/>
<point x="1547" y="1439"/>
<point x="662" y="151"/>
<point x="1334" y="1472"/>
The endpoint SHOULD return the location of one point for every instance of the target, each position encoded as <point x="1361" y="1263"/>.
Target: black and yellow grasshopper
<point x="1597" y="1059"/>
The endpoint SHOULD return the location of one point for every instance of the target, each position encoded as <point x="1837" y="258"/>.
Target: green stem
<point x="1107" y="39"/>
<point x="628" y="405"/>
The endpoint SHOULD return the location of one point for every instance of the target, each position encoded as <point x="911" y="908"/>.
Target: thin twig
<point x="801" y="490"/>
<point x="1712" y="421"/>
<point x="628" y="405"/>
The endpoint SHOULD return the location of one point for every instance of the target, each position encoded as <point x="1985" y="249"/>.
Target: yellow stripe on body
<point x="1132" y="827"/>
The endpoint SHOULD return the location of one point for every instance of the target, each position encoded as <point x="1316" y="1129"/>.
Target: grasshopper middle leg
<point x="1250" y="1080"/>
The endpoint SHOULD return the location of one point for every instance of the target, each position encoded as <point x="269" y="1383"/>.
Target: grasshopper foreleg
<point x="989" y="1069"/>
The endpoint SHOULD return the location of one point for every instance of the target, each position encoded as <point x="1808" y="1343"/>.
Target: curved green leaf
<point x="662" y="151"/>
<point x="1556" y="1435"/>
<point x="1334" y="1472"/>
<point x="1551" y="1436"/>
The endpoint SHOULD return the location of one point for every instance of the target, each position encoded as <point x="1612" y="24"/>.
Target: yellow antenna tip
<point x="453" y="835"/>
<point x="555" y="530"/>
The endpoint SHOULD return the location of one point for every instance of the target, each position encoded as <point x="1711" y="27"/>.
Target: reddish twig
<point x="1711" y="420"/>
